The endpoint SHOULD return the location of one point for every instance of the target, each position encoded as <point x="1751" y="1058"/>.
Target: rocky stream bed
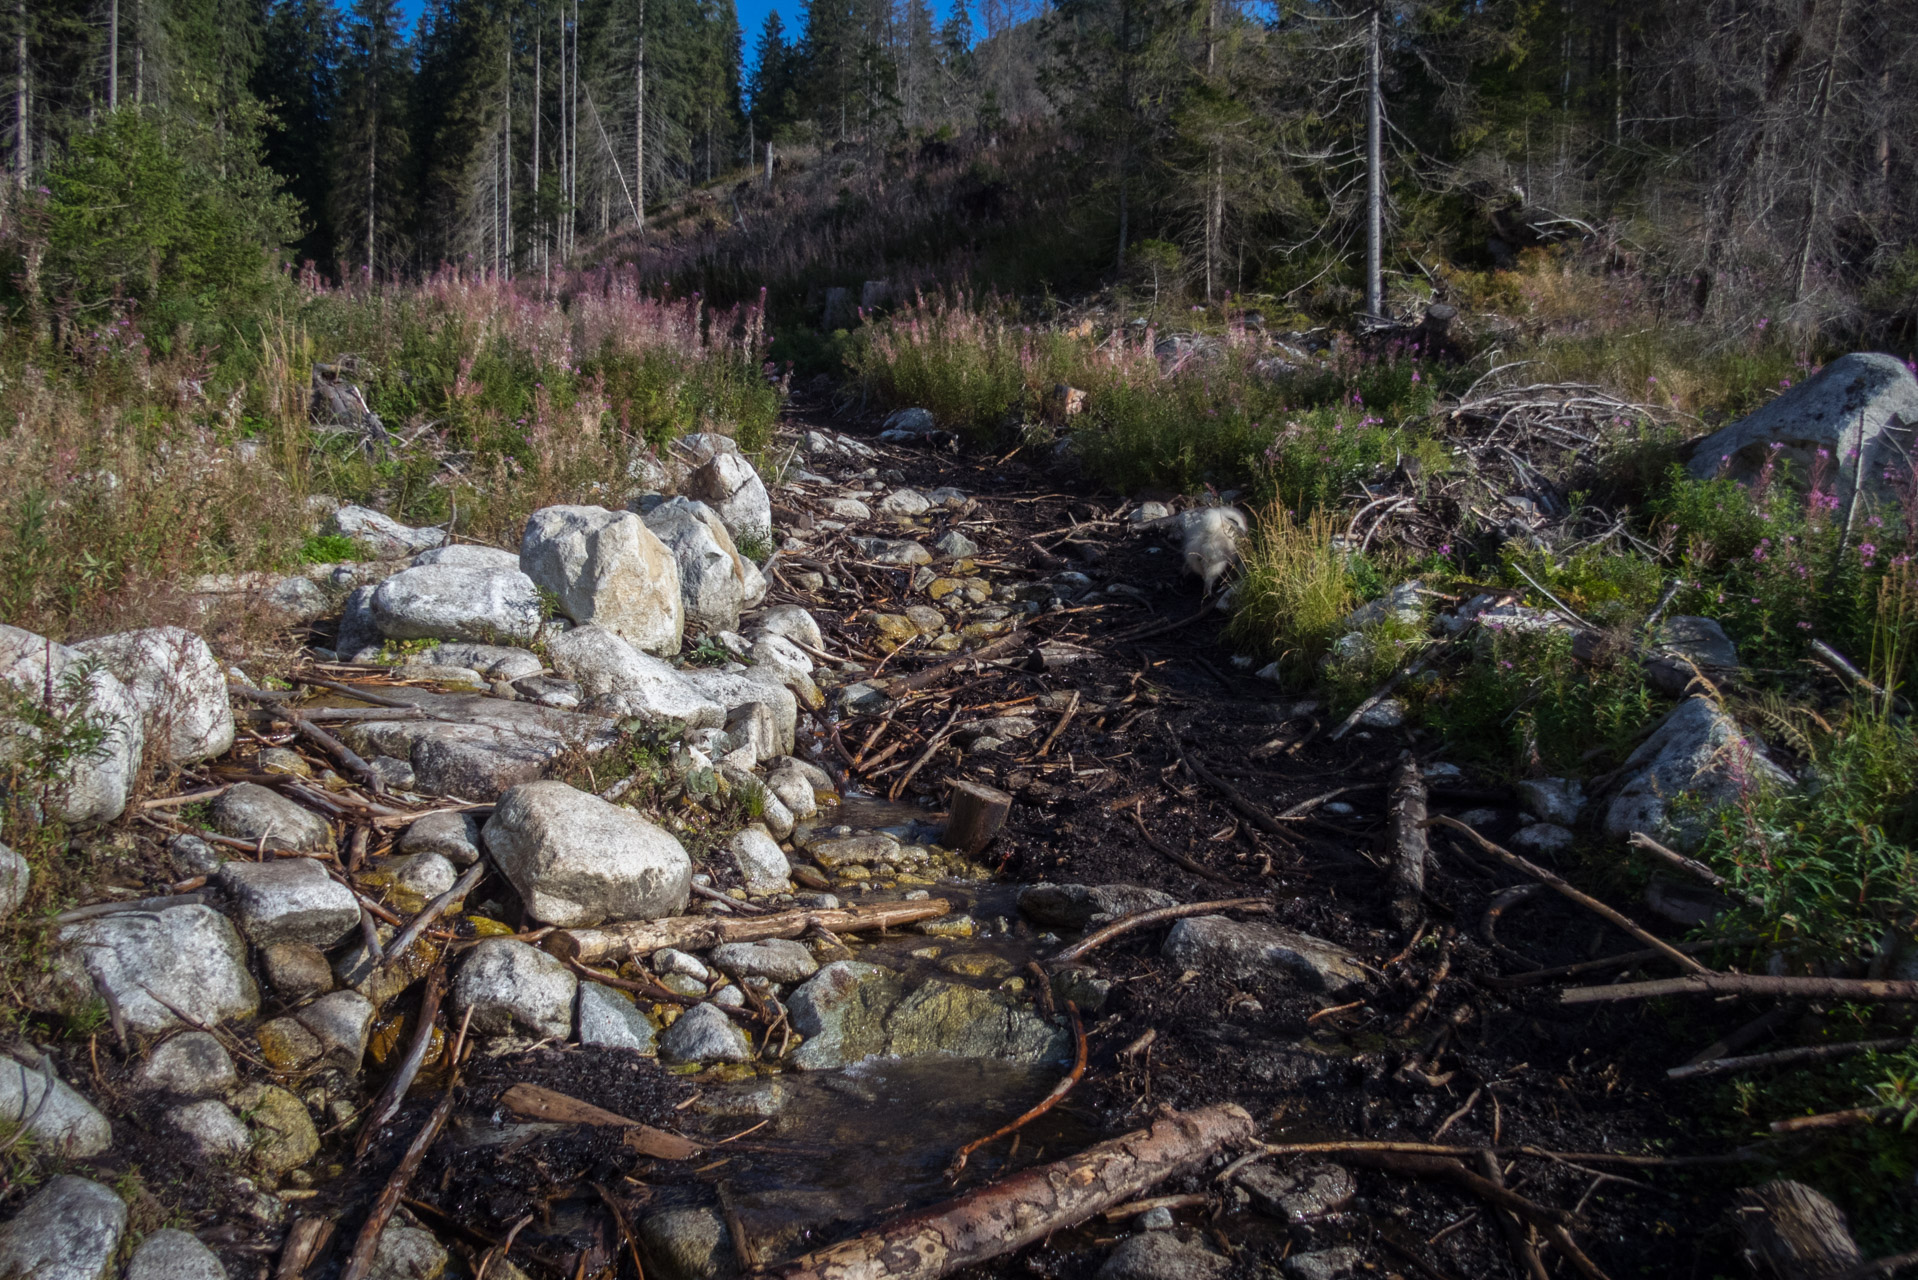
<point x="709" y="890"/>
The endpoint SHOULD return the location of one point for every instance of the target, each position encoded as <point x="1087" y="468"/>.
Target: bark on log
<point x="1791" y="1232"/>
<point x="1029" y="1206"/>
<point x="978" y="811"/>
<point x="1747" y="984"/>
<point x="698" y="933"/>
<point x="1408" y="846"/>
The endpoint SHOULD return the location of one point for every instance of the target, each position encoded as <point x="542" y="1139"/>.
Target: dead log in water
<point x="698" y="933"/>
<point x="1009" y="1215"/>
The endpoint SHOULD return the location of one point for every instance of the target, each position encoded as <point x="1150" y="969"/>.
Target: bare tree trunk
<point x="1801" y="268"/>
<point x="113" y="55"/>
<point x="639" y="126"/>
<point x="139" y="54"/>
<point x="1374" y="172"/>
<point x="22" y="151"/>
<point x="572" y="225"/>
<point x="769" y="166"/>
<point x="506" y="234"/>
<point x="372" y="173"/>
<point x="539" y="100"/>
<point x="1741" y="171"/>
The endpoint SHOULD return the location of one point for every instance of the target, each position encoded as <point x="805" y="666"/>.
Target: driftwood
<point x="1044" y="1104"/>
<point x="536" y="1102"/>
<point x="1585" y="900"/>
<point x="1533" y="977"/>
<point x="699" y="933"/>
<point x="402" y="1078"/>
<point x="1009" y="1215"/>
<point x="1864" y="990"/>
<point x="1408" y="845"/>
<point x="1784" y="1057"/>
<point x="1158" y="915"/>
<point x="977" y="813"/>
<point x="1791" y="1232"/>
<point x="933" y="674"/>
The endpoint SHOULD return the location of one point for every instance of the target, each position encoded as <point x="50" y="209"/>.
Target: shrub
<point x="1295" y="594"/>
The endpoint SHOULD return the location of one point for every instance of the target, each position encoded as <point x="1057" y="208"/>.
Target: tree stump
<point x="1791" y="1232"/>
<point x="978" y="811"/>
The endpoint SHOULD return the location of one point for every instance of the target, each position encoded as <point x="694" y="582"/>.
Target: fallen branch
<point x="1784" y="1057"/>
<point x="1450" y="1169"/>
<point x="1167" y="851"/>
<point x="1535" y="976"/>
<point x="160" y="903"/>
<point x="1864" y="990"/>
<point x="401" y="1080"/>
<point x="1257" y="816"/>
<point x="1850" y="1119"/>
<point x="1407" y="810"/>
<point x="434" y="909"/>
<point x="1690" y="866"/>
<point x="1044" y="1105"/>
<point x="700" y="933"/>
<point x="924" y="756"/>
<point x="1590" y="903"/>
<point x="535" y="1102"/>
<point x="920" y="679"/>
<point x="1072" y="709"/>
<point x="1007" y="1216"/>
<point x="1157" y="915"/>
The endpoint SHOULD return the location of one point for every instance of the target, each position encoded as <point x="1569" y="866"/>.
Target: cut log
<point x="698" y="933"/>
<point x="978" y="811"/>
<point x="1009" y="1215"/>
<point x="1408" y="846"/>
<point x="1791" y="1232"/>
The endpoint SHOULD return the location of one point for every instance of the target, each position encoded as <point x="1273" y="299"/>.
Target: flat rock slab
<point x="777" y="960"/>
<point x="159" y="966"/>
<point x="479" y="746"/>
<point x="1256" y="949"/>
<point x="290" y="900"/>
<point x="69" y="1230"/>
<point x="249" y="811"/>
<point x="851" y="1010"/>
<point x="1163" y="1255"/>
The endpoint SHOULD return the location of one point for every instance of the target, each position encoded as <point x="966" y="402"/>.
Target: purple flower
<point x="1784" y="384"/>
<point x="1445" y="548"/>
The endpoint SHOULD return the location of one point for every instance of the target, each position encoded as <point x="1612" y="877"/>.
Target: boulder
<point x="16" y="876"/>
<point x="456" y="602"/>
<point x="283" y="1134"/>
<point x="762" y="865"/>
<point x="608" y="1019"/>
<point x="1241" y="950"/>
<point x="1556" y="800"/>
<point x="410" y="1253"/>
<point x="729" y="485"/>
<point x="467" y="556"/>
<point x="172" y="1254"/>
<point x="608" y="569"/>
<point x="1687" y="648"/>
<point x="1163" y="1255"/>
<point x="210" y="1129"/>
<point x="69" y="1230"/>
<point x="249" y="811"/>
<point x="734" y="689"/>
<point x="704" y="1034"/>
<point x="514" y="988"/>
<point x="384" y="536"/>
<point x="149" y="964"/>
<point x="917" y="422"/>
<point x="791" y="622"/>
<point x="92" y="778"/>
<point x="1866" y="401"/>
<point x="340" y="1021"/>
<point x="851" y="1010"/>
<point x="192" y="1064"/>
<point x="683" y="1244"/>
<point x="473" y="746"/>
<point x="776" y="960"/>
<point x="1077" y="906"/>
<point x="289" y="900"/>
<point x="178" y="687"/>
<point x="453" y="836"/>
<point x="577" y="860"/>
<point x="58" y="1120"/>
<point x="712" y="573"/>
<point x="796" y="792"/>
<point x="1698" y="752"/>
<point x="619" y="680"/>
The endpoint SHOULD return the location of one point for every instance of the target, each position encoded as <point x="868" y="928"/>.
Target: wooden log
<point x="698" y="933"/>
<point x="1785" y="1057"/>
<point x="1791" y="1232"/>
<point x="1863" y="990"/>
<point x="1408" y="845"/>
<point x="1009" y="1215"/>
<point x="978" y="812"/>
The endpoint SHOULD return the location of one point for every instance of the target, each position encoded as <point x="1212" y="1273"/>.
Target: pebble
<point x="192" y="1064"/>
<point x="296" y="970"/>
<point x="704" y="1034"/>
<point x="171" y="1254"/>
<point x="212" y="1129"/>
<point x="672" y="960"/>
<point x="607" y="1019"/>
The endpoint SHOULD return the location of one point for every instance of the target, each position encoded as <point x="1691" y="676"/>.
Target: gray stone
<point x="894" y="551"/>
<point x="704" y="1034"/>
<point x="1402" y="603"/>
<point x="905" y="502"/>
<point x="956" y="545"/>
<point x="211" y="1129"/>
<point x="681" y="984"/>
<point x="409" y="1253"/>
<point x="779" y="654"/>
<point x="729" y="485"/>
<point x="426" y="874"/>
<point x="296" y="600"/>
<point x="734" y="689"/>
<point x="607" y="568"/>
<point x="797" y="792"/>
<point x="296" y="970"/>
<point x="1698" y="752"/>
<point x="609" y="1020"/>
<point x="192" y="1064"/>
<point x="1865" y="402"/>
<point x="1688" y="648"/>
<point x="467" y="556"/>
<point x="777" y="959"/>
<point x="619" y="680"/>
<point x="249" y="811"/>
<point x="753" y="728"/>
<point x="359" y="638"/>
<point x="577" y="860"/>
<point x="1079" y="985"/>
<point x="917" y="422"/>
<point x="1324" y="1264"/>
<point x="1387" y="713"/>
<point x="874" y="849"/>
<point x="1556" y="800"/>
<point x="283" y="1134"/>
<point x="69" y="1230"/>
<point x="482" y="746"/>
<point x="1156" y="1219"/>
<point x="492" y="661"/>
<point x="851" y="1010"/>
<point x="464" y="677"/>
<point x="713" y="576"/>
<point x="289" y="900"/>
<point x="848" y="509"/>
<point x="1258" y="949"/>
<point x="670" y="960"/>
<point x="286" y="1045"/>
<point x="454" y="602"/>
<point x="149" y="964"/>
<point x="170" y="1254"/>
<point x="860" y="698"/>
<point x="341" y="1022"/>
<point x="1685" y="903"/>
<point x="762" y="865"/>
<point x="58" y="1119"/>
<point x="791" y="622"/>
<point x="729" y="997"/>
<point x="454" y="836"/>
<point x="16" y="876"/>
<point x="515" y="988"/>
<point x="1302" y="1195"/>
<point x="384" y="536"/>
<point x="1542" y="837"/>
<point x="1163" y="1255"/>
<point x="683" y="1244"/>
<point x="1075" y="906"/>
<point x="94" y="788"/>
<point x="178" y="687"/>
<point x="192" y="856"/>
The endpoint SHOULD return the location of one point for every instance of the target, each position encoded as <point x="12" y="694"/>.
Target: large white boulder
<point x="715" y="581"/>
<point x="93" y="753"/>
<point x="1699" y="753"/>
<point x="457" y="602"/>
<point x="729" y="485"/>
<point x="577" y="860"/>
<point x="157" y="967"/>
<point x="617" y="679"/>
<point x="607" y="568"/>
<point x="1865" y="401"/>
<point x="178" y="686"/>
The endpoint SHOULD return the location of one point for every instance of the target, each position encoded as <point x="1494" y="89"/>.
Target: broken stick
<point x="1045" y="1104"/>
<point x="699" y="933"/>
<point x="1862" y="990"/>
<point x="1408" y="845"/>
<point x="1007" y="1216"/>
<point x="1140" y="919"/>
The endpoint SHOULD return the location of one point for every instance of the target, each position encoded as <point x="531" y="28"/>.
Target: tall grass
<point x="1295" y="592"/>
